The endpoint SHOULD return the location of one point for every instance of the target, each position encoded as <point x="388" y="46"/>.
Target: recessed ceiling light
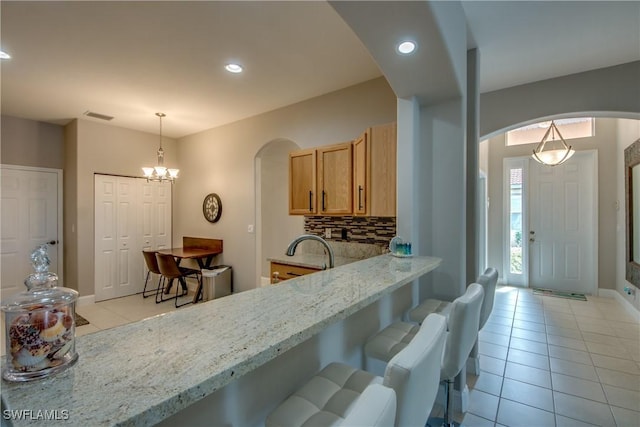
<point x="406" y="47"/>
<point x="233" y="68"/>
<point x="4" y="55"/>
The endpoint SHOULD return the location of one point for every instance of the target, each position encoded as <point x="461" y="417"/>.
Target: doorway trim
<point x="60" y="230"/>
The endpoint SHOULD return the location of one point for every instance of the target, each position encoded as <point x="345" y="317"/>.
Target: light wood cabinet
<point x="374" y="172"/>
<point x="352" y="178"/>
<point x="361" y="173"/>
<point x="288" y="271"/>
<point x="335" y="179"/>
<point x="302" y="182"/>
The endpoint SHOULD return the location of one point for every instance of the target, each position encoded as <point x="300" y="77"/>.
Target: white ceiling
<point x="133" y="59"/>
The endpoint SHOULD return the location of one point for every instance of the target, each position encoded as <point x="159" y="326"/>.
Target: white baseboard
<point x="87" y="300"/>
<point x="612" y="293"/>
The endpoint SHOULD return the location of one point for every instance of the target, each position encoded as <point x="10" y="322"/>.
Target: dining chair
<point x="171" y="271"/>
<point x="152" y="267"/>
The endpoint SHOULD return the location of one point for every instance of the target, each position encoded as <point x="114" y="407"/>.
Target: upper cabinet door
<point x="361" y="172"/>
<point x="335" y="179"/>
<point x="302" y="182"/>
<point x="383" y="166"/>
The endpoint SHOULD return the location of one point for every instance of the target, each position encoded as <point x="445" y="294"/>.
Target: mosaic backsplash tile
<point x="373" y="230"/>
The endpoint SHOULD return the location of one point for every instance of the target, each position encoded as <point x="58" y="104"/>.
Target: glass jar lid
<point x="42" y="287"/>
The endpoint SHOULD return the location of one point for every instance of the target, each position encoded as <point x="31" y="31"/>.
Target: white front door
<point x="30" y="216"/>
<point x="563" y="225"/>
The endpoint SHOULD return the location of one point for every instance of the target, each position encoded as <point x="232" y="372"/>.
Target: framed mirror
<point x="632" y="206"/>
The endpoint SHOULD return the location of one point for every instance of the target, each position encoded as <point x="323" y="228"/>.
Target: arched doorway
<point x="609" y="178"/>
<point x="275" y="228"/>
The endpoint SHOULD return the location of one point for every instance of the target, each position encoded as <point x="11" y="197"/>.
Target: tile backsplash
<point x="373" y="230"/>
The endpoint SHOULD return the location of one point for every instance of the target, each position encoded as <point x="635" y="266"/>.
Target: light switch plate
<point x="327" y="233"/>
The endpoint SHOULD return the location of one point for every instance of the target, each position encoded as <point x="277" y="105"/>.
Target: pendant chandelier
<point x="556" y="152"/>
<point x="160" y="173"/>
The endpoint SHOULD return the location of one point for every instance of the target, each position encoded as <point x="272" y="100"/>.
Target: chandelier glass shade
<point x="159" y="172"/>
<point x="552" y="151"/>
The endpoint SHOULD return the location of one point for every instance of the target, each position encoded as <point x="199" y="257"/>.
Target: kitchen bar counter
<point x="144" y="372"/>
<point x="311" y="260"/>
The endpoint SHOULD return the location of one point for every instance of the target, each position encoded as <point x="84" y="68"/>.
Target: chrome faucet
<point x="292" y="246"/>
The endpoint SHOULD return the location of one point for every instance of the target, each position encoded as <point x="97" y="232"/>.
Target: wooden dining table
<point x="203" y="250"/>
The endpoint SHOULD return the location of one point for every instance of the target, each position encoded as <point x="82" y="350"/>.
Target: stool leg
<point x="449" y="402"/>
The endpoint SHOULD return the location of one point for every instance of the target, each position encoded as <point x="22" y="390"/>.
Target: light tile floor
<point x="549" y="361"/>
<point x="115" y="312"/>
<point x="120" y="311"/>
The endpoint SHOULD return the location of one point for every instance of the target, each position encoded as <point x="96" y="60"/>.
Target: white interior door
<point x="154" y="219"/>
<point x="563" y="225"/>
<point x="127" y="242"/>
<point x="131" y="215"/>
<point x="162" y="218"/>
<point x="30" y="216"/>
<point x="117" y="247"/>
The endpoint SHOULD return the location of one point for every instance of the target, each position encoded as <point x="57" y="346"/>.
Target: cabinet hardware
<point x="310" y="201"/>
<point x="291" y="273"/>
<point x="323" y="193"/>
<point x="359" y="196"/>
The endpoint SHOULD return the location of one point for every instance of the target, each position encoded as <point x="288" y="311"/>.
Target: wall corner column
<point x="473" y="136"/>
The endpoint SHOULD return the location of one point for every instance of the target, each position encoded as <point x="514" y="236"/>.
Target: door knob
<point x="52" y="242"/>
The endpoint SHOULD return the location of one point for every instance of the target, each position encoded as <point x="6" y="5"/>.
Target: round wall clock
<point x="212" y="207"/>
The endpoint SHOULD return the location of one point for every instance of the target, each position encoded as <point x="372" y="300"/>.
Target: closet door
<point x="162" y="223"/>
<point x="154" y="220"/>
<point x="117" y="246"/>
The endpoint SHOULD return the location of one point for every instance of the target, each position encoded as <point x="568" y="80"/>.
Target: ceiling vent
<point x="98" y="115"/>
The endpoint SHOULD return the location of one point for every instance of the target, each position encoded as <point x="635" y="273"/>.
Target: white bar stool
<point x="488" y="280"/>
<point x="335" y="396"/>
<point x="464" y="318"/>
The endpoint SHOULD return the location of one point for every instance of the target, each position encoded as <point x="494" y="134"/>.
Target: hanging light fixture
<point x="552" y="156"/>
<point x="160" y="173"/>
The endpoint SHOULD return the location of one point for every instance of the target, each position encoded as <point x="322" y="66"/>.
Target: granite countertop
<point x="202" y="348"/>
<point x="312" y="260"/>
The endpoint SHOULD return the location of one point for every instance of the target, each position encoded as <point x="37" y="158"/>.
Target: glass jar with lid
<point x="39" y="325"/>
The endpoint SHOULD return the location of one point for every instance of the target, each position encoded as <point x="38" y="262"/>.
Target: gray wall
<point x="26" y="142"/>
<point x="612" y="91"/>
<point x="605" y="142"/>
<point x="221" y="160"/>
<point x="91" y="148"/>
